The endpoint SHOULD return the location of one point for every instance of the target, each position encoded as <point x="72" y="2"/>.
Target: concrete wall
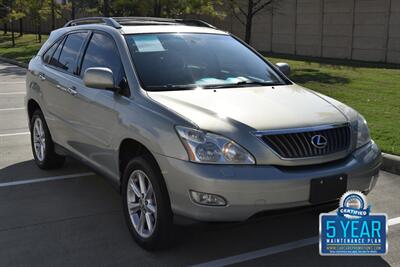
<point x="367" y="30"/>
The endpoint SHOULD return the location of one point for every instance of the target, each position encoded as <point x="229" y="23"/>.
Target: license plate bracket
<point x="327" y="188"/>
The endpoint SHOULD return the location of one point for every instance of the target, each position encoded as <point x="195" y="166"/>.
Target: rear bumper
<point x="253" y="189"/>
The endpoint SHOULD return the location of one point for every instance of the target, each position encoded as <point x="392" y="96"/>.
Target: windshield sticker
<point x="148" y="43"/>
<point x="230" y="80"/>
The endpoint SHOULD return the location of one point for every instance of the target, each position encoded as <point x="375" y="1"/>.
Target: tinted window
<point x="67" y="60"/>
<point x="50" y="52"/>
<point x="172" y="61"/>
<point x="54" y="61"/>
<point x="102" y="52"/>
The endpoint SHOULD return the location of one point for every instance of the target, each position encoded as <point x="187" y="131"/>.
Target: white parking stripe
<point x="14" y="134"/>
<point x="260" y="253"/>
<point x="46" y="179"/>
<point x="394" y="221"/>
<point x="10" y="109"/>
<point x="13" y="93"/>
<point x="271" y="250"/>
<point x="12" y="82"/>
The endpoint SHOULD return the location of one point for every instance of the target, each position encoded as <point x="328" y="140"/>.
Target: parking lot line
<point x="11" y="109"/>
<point x="394" y="221"/>
<point x="14" y="134"/>
<point x="13" y="93"/>
<point x="12" y="82"/>
<point x="46" y="179"/>
<point x="271" y="250"/>
<point x="260" y="253"/>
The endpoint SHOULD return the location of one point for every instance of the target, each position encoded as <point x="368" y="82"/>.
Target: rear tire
<point x="42" y="144"/>
<point x="146" y="204"/>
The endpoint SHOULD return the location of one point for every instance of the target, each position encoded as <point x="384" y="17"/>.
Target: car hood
<point x="261" y="108"/>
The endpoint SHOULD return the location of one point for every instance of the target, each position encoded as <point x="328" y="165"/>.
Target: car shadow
<point x="85" y="216"/>
<point x="9" y="69"/>
<point x="306" y="75"/>
<point x="212" y="241"/>
<point x="29" y="170"/>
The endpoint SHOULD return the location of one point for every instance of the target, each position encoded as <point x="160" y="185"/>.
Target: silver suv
<point x="188" y="120"/>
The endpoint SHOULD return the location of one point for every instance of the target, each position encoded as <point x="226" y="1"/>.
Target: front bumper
<point x="250" y="189"/>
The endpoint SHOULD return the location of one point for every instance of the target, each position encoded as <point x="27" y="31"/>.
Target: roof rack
<point x="117" y="22"/>
<point x="195" y="22"/>
<point x="93" y="20"/>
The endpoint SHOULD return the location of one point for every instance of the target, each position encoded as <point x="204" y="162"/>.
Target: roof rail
<point x="93" y="20"/>
<point x="116" y="22"/>
<point x="195" y="22"/>
<point x="154" y="20"/>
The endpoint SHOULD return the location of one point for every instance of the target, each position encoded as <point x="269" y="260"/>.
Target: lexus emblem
<point x="319" y="141"/>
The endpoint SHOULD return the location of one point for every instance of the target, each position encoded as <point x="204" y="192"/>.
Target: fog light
<point x="207" y="199"/>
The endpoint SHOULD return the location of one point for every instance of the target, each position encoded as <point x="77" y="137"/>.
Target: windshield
<point x="179" y="61"/>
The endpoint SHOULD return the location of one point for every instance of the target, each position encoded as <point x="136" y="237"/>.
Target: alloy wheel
<point x="141" y="203"/>
<point x="39" y="139"/>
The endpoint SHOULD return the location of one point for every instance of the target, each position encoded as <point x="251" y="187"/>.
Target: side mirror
<point x="100" y="78"/>
<point x="284" y="68"/>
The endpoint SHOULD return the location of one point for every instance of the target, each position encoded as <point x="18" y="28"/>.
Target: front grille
<point x="300" y="145"/>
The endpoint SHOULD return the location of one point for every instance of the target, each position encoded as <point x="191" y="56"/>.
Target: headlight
<point x="363" y="136"/>
<point x="206" y="147"/>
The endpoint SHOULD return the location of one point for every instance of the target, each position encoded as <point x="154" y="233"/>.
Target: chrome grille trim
<point x="295" y="143"/>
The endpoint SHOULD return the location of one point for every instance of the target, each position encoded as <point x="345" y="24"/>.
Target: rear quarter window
<point x="49" y="53"/>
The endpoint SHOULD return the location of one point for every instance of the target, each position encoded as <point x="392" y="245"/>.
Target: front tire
<point x="146" y="204"/>
<point x="42" y="144"/>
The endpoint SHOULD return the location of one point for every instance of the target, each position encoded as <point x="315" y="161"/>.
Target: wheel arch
<point x="31" y="107"/>
<point x="130" y="148"/>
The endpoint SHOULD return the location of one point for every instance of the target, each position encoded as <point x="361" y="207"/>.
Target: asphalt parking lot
<point x="72" y="217"/>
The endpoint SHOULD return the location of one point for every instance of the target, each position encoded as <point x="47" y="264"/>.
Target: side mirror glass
<point x="284" y="68"/>
<point x="99" y="78"/>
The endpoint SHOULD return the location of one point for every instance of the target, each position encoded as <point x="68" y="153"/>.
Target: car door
<point x="59" y="77"/>
<point x="93" y="113"/>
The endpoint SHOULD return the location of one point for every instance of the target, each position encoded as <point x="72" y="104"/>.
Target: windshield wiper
<point x="170" y="87"/>
<point x="241" y="84"/>
<point x="175" y="87"/>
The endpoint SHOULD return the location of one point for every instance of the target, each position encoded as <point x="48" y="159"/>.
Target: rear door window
<point x="66" y="55"/>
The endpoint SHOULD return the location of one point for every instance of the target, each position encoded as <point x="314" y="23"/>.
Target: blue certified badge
<point x="353" y="230"/>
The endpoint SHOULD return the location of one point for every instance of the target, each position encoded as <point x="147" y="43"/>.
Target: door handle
<point x="42" y="76"/>
<point x="62" y="88"/>
<point x="72" y="90"/>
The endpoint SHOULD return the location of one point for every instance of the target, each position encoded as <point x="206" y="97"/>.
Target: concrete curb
<point x="391" y="163"/>
<point x="14" y="62"/>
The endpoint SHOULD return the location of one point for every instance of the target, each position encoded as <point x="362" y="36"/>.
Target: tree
<point x="173" y="8"/>
<point x="11" y="11"/>
<point x="164" y="8"/>
<point x="73" y="9"/>
<point x="18" y="12"/>
<point x="245" y="16"/>
<point x="38" y="11"/>
<point x="61" y="11"/>
<point x="4" y="12"/>
<point x="106" y="7"/>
